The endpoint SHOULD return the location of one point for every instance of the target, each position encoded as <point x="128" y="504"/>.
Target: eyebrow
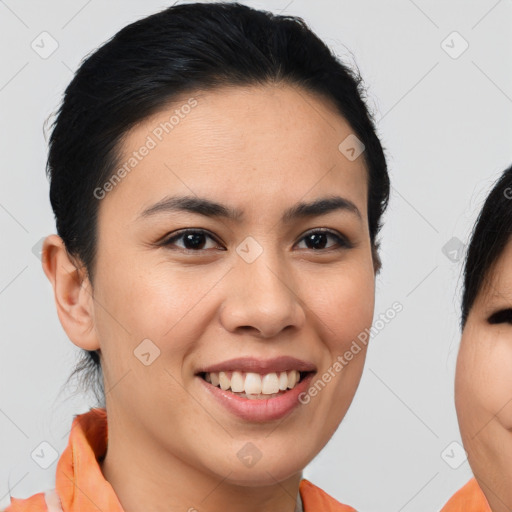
<point x="209" y="208"/>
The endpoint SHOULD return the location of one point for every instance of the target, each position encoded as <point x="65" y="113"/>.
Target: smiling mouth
<point x="255" y="386"/>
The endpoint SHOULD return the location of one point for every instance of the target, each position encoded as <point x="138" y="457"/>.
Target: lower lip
<point x="259" y="410"/>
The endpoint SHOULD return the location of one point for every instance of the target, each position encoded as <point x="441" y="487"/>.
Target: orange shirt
<point x="81" y="487"/>
<point x="469" y="498"/>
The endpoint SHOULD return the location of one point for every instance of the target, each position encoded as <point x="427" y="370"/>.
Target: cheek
<point x="150" y="321"/>
<point x="150" y="304"/>
<point x="483" y="388"/>
<point x="151" y="301"/>
<point x="345" y="305"/>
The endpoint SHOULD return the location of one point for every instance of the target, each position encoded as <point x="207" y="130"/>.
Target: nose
<point x="261" y="297"/>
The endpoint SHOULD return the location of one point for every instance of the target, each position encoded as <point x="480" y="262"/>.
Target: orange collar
<point x="79" y="481"/>
<point x="470" y="498"/>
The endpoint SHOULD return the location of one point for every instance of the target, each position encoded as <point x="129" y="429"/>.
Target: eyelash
<point x="342" y="241"/>
<point x="501" y="317"/>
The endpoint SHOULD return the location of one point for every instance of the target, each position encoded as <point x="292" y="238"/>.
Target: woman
<point x="483" y="379"/>
<point x="218" y="186"/>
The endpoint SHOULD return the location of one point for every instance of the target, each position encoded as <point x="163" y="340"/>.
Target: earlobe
<point x="72" y="293"/>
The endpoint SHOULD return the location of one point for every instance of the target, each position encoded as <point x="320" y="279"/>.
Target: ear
<point x="72" y="293"/>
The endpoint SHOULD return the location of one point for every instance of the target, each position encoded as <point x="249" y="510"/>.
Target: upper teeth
<point x="254" y="383"/>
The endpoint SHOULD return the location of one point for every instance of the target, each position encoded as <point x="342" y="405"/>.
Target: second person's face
<point x="484" y="385"/>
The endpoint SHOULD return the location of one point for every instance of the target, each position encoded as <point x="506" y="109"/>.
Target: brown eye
<point x="503" y="316"/>
<point x="192" y="240"/>
<point x="317" y="240"/>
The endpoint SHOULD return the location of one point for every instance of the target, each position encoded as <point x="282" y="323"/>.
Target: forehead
<point x="259" y="142"/>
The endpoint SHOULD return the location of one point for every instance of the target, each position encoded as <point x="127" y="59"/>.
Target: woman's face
<point x="483" y="389"/>
<point x="260" y="286"/>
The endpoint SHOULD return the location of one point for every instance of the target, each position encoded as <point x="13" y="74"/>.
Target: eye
<point x="316" y="239"/>
<point x="193" y="239"/>
<point x="503" y="316"/>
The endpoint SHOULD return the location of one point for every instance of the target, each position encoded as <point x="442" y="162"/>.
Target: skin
<point x="483" y="387"/>
<point x="261" y="149"/>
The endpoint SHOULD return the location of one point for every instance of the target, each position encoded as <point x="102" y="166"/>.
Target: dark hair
<point x="490" y="235"/>
<point x="184" y="48"/>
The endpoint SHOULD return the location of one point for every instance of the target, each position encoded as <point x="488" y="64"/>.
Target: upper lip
<point x="254" y="365"/>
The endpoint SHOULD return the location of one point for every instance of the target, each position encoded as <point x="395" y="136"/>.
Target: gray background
<point x="445" y="120"/>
